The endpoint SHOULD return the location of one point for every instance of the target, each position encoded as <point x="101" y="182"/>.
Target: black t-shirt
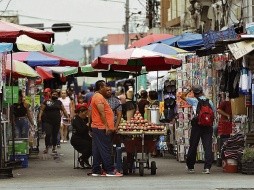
<point x="19" y="110"/>
<point x="141" y="106"/>
<point x="80" y="128"/>
<point x="52" y="111"/>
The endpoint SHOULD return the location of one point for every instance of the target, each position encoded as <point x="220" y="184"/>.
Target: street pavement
<point x="47" y="173"/>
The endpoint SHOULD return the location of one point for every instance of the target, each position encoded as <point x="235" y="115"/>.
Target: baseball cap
<point x="197" y="89"/>
<point x="47" y="90"/>
<point x="83" y="106"/>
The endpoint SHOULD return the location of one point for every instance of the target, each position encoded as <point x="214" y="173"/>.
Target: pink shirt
<point x="66" y="103"/>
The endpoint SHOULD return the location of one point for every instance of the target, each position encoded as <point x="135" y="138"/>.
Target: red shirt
<point x="226" y="107"/>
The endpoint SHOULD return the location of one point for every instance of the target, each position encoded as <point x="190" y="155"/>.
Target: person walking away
<point x="143" y="102"/>
<point x="51" y="110"/>
<point x="102" y="128"/>
<point x="21" y="117"/>
<point x="81" y="135"/>
<point x="199" y="131"/>
<point x="66" y="101"/>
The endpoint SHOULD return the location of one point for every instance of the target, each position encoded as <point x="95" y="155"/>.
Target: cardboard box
<point x="238" y="106"/>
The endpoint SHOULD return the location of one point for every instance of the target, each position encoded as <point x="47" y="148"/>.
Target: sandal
<point x="45" y="151"/>
<point x="54" y="151"/>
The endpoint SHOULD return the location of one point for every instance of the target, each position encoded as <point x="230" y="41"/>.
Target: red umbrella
<point x="134" y="59"/>
<point x="9" y="32"/>
<point x="44" y="74"/>
<point x="150" y="39"/>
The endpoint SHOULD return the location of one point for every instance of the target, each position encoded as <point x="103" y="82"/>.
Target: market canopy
<point x="18" y="68"/>
<point x="150" y="39"/>
<point x="25" y="43"/>
<point x="89" y="71"/>
<point x="9" y="33"/>
<point x="40" y="58"/>
<point x="134" y="59"/>
<point x="163" y="48"/>
<point x="188" y="41"/>
<point x="65" y="71"/>
<point x="45" y="75"/>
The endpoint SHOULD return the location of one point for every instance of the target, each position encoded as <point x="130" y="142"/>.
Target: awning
<point x="65" y="71"/>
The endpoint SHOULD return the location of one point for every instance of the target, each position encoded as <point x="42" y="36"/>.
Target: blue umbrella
<point x="189" y="41"/>
<point x="163" y="48"/>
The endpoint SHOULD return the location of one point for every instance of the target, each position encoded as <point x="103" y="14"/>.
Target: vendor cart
<point x="139" y="142"/>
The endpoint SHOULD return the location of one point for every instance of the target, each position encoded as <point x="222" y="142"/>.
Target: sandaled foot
<point x="54" y="151"/>
<point x="45" y="151"/>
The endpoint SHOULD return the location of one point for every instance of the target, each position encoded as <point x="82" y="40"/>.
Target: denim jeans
<point x="22" y="127"/>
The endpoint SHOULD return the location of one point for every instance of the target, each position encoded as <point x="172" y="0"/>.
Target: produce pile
<point x="139" y="124"/>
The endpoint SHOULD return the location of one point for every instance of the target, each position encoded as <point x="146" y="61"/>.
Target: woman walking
<point x="65" y="123"/>
<point x="51" y="110"/>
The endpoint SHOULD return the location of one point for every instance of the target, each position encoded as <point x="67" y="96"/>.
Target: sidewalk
<point x="54" y="174"/>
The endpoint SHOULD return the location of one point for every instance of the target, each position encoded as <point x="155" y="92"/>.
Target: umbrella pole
<point x="157" y="80"/>
<point x="12" y="122"/>
<point x="5" y="172"/>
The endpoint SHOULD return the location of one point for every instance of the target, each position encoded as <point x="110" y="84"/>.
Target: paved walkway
<point x="54" y="174"/>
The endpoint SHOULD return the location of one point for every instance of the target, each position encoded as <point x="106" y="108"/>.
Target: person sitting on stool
<point x="81" y="137"/>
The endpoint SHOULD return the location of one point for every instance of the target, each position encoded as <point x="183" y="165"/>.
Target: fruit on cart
<point x="139" y="124"/>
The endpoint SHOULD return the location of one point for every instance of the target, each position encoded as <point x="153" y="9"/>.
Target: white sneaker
<point x="190" y="171"/>
<point x="206" y="171"/>
<point x="61" y="141"/>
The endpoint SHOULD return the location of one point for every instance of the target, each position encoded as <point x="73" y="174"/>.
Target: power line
<point x="72" y="22"/>
<point x="5" y="7"/>
<point x="141" y="3"/>
<point x="55" y="20"/>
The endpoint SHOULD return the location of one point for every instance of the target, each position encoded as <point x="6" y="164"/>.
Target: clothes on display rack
<point x="233" y="147"/>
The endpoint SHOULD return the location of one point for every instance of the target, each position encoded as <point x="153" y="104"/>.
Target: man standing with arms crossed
<point x="102" y="128"/>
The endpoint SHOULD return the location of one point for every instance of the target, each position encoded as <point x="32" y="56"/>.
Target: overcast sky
<point x="93" y="18"/>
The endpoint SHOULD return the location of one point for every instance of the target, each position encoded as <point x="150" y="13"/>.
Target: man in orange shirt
<point x="102" y="127"/>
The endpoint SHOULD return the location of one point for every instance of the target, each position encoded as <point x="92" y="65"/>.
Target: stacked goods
<point x="139" y="124"/>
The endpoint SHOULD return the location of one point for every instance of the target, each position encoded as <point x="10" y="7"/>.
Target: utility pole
<point x="127" y="17"/>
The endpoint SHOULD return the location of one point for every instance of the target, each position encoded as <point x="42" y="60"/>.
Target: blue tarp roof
<point x="5" y="47"/>
<point x="185" y="41"/>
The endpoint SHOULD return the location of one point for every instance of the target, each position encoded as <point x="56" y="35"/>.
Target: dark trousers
<point x="83" y="146"/>
<point x="51" y="131"/>
<point x="102" y="146"/>
<point x="205" y="133"/>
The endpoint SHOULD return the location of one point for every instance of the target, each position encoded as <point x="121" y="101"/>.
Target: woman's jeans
<point x="22" y="127"/>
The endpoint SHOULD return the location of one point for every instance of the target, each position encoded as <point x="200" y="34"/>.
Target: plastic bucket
<point x="229" y="166"/>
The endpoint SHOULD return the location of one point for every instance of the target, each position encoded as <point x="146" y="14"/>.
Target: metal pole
<point x="127" y="17"/>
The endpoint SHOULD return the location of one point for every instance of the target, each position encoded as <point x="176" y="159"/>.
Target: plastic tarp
<point x="5" y="47"/>
<point x="185" y="40"/>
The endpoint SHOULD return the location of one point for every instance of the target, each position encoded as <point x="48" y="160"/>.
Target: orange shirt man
<point x="102" y="114"/>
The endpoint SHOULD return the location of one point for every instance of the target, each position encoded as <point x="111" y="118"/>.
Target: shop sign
<point x="11" y="98"/>
<point x="240" y="49"/>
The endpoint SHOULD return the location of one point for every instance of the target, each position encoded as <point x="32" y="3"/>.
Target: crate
<point x="21" y="146"/>
<point x="23" y="158"/>
<point x="248" y="167"/>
